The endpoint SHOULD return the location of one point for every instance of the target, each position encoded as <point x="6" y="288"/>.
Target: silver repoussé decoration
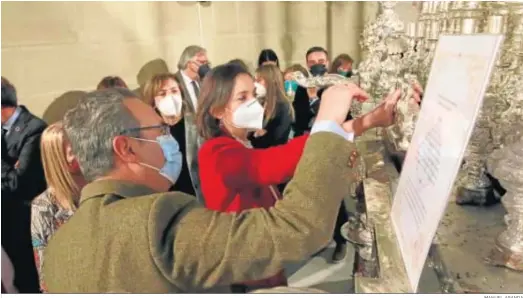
<point x="506" y="164"/>
<point x="388" y="66"/>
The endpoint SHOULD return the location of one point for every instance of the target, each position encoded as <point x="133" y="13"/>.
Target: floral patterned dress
<point x="46" y="217"/>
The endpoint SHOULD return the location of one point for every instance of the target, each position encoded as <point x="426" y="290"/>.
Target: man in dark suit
<point x="317" y="59"/>
<point x="22" y="180"/>
<point x="306" y="103"/>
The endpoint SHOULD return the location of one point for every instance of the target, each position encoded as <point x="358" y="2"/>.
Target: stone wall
<point x="49" y="48"/>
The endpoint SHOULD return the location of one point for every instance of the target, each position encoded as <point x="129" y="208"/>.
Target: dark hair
<point x="239" y="62"/>
<point x="314" y="50"/>
<point x="338" y="61"/>
<point x="9" y="98"/>
<point x="215" y="92"/>
<point x="268" y="55"/>
<point x="111" y="82"/>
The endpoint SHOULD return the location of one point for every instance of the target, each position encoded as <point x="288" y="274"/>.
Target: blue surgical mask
<point x="173" y="157"/>
<point x="291" y="85"/>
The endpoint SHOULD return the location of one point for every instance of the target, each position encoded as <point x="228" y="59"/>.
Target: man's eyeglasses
<point x="164" y="128"/>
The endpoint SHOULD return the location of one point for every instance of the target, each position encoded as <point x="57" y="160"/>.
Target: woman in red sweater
<point x="234" y="176"/>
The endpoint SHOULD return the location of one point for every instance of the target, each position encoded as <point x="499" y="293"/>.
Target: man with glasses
<point x="192" y="67"/>
<point x="130" y="236"/>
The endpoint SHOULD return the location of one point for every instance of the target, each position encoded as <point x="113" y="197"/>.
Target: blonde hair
<point x="59" y="180"/>
<point x="273" y="78"/>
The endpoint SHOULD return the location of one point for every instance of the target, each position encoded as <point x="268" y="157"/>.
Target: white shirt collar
<point x="187" y="79"/>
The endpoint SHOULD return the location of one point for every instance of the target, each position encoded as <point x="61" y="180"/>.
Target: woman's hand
<point x="385" y="113"/>
<point x="382" y="116"/>
<point x="336" y="102"/>
<point x="418" y="92"/>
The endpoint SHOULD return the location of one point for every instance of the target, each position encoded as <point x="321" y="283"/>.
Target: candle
<point x="434" y="30"/>
<point x="420" y="28"/>
<point x="410" y="29"/>
<point x="495" y="25"/>
<point x="468" y="26"/>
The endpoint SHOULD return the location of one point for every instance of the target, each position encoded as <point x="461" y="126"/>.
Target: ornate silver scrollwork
<point x="506" y="163"/>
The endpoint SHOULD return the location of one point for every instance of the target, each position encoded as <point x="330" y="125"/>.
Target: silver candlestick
<point x="432" y="32"/>
<point x="508" y="169"/>
<point x="507" y="78"/>
<point x="475" y="187"/>
<point x="495" y="103"/>
<point x="506" y="164"/>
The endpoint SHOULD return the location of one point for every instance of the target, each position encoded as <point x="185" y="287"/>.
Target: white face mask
<point x="170" y="105"/>
<point x="260" y="90"/>
<point x="249" y="115"/>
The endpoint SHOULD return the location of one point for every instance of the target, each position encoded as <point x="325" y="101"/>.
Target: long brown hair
<point x="216" y="90"/>
<point x="153" y="86"/>
<point x="273" y="78"/>
<point x="59" y="180"/>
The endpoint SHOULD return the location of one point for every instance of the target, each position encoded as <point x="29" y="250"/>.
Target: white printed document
<point x="453" y="96"/>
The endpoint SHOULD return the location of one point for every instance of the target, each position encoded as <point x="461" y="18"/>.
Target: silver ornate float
<point x="506" y="164"/>
<point x="475" y="187"/>
<point x="389" y="57"/>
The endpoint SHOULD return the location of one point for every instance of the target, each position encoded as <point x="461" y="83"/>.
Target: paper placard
<point x="454" y="94"/>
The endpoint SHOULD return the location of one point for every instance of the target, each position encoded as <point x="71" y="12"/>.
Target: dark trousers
<point x="342" y="218"/>
<point x="16" y="241"/>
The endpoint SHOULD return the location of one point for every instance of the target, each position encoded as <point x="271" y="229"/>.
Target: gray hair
<point x="188" y="54"/>
<point x="92" y="125"/>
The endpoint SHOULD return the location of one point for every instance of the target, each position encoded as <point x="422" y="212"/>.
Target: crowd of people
<point x="207" y="179"/>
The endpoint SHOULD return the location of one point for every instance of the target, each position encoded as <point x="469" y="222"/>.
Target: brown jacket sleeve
<point x="199" y="248"/>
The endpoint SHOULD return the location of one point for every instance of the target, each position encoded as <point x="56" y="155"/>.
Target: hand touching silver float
<point x="389" y="64"/>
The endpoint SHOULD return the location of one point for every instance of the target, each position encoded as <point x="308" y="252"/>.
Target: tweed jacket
<point x="125" y="238"/>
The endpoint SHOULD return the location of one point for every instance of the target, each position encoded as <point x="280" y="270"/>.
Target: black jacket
<point x="305" y="112"/>
<point x="22" y="146"/>
<point x="22" y="180"/>
<point x="184" y="182"/>
<point x="278" y="128"/>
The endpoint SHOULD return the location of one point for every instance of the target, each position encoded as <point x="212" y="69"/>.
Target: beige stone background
<point x="50" y="48"/>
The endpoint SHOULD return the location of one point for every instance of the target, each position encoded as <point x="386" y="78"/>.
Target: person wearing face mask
<point x="163" y="93"/>
<point x="317" y="59"/>
<point x="141" y="239"/>
<point x="278" y="115"/>
<point x="237" y="177"/>
<point x="193" y="65"/>
<point x="342" y="65"/>
<point x="278" y="112"/>
<point x="290" y="85"/>
<point x="229" y="102"/>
